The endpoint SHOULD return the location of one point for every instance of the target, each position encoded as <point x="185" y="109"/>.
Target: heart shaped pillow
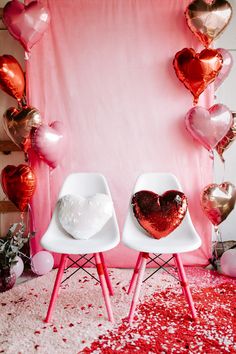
<point x="84" y="217"/>
<point x="159" y="215"/>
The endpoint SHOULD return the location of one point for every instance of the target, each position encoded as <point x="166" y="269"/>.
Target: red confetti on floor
<point x="163" y="325"/>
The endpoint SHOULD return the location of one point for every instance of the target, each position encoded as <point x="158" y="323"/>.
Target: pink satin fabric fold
<point x="104" y="68"/>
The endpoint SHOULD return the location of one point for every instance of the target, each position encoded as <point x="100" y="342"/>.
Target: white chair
<point x="183" y="239"/>
<point x="57" y="240"/>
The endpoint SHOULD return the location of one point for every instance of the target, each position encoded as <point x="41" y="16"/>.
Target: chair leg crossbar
<point x="103" y="275"/>
<point x="161" y="266"/>
<point x="138" y="275"/>
<point x="80" y="267"/>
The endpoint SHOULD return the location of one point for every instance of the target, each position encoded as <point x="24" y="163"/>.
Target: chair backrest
<point x="84" y="184"/>
<point x="157" y="182"/>
<point x="55" y="238"/>
<point x="134" y="235"/>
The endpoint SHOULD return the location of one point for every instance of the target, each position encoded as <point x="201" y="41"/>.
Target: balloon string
<point x="27" y="219"/>
<point x="195" y="101"/>
<point x="218" y="240"/>
<point x="27" y="55"/>
<point x="26" y="157"/>
<point x="20" y="104"/>
<point x="212" y="157"/>
<point x="224" y="169"/>
<point x="32" y="224"/>
<point x="24" y="255"/>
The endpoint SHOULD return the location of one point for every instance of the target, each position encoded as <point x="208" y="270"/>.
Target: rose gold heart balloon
<point x="228" y="139"/>
<point x="218" y="201"/>
<point x="207" y="20"/>
<point x="18" y="124"/>
<point x="159" y="215"/>
<point x="197" y="70"/>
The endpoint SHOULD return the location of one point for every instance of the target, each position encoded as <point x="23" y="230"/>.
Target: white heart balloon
<point x="84" y="217"/>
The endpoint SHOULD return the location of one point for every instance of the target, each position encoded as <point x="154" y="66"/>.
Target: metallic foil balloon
<point x="159" y="215"/>
<point x="207" y="20"/>
<point x="26" y="23"/>
<point x="18" y="124"/>
<point x="18" y="183"/>
<point x="209" y="126"/>
<point x="197" y="70"/>
<point x="12" y="79"/>
<point x="49" y="142"/>
<point x="225" y="70"/>
<point x="218" y="201"/>
<point x="228" y="139"/>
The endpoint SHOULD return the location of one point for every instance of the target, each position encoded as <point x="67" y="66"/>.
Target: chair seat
<point x="59" y="241"/>
<point x="183" y="239"/>
<point x="56" y="239"/>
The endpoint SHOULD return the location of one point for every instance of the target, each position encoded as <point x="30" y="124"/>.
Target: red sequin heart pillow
<point x="159" y="215"/>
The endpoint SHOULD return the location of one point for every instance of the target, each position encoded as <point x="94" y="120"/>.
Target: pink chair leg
<point x="56" y="286"/>
<point x="105" y="292"/>
<point x="138" y="286"/>
<point x="184" y="284"/>
<point x="135" y="273"/>
<point x="109" y="286"/>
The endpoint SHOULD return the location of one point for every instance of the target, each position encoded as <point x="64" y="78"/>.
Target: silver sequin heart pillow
<point x="84" y="217"/>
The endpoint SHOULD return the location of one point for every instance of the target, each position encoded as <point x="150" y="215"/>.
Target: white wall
<point x="226" y="95"/>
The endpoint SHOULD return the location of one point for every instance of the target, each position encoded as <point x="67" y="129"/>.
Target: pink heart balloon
<point x="209" y="126"/>
<point x="49" y="142"/>
<point x="26" y="23"/>
<point x="226" y="67"/>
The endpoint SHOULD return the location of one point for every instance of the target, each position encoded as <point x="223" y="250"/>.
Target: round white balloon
<point x="18" y="268"/>
<point x="42" y="262"/>
<point x="228" y="263"/>
<point x="84" y="217"/>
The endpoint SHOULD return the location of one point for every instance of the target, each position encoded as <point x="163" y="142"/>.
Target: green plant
<point x="10" y="245"/>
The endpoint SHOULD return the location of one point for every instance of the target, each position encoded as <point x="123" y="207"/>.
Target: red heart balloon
<point x="19" y="184"/>
<point x="197" y="70"/>
<point x="12" y="79"/>
<point x="159" y="215"/>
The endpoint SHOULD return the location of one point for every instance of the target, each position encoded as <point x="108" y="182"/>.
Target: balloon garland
<point x="23" y="124"/>
<point x="214" y="127"/>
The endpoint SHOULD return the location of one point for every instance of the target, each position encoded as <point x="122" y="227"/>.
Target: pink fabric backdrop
<point x="104" y="68"/>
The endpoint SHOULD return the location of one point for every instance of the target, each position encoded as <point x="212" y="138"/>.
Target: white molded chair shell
<point x="183" y="239"/>
<point x="56" y="239"/>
